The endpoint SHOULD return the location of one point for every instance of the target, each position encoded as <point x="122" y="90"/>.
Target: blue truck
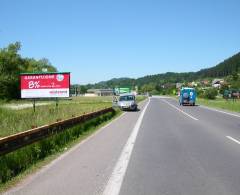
<point x="187" y="96"/>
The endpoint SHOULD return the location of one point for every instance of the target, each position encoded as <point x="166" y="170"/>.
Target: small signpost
<point x="45" y="85"/>
<point x="121" y="90"/>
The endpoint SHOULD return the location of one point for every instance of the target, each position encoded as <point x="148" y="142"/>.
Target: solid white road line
<point x="212" y="109"/>
<point x="180" y="110"/>
<point x="115" y="182"/>
<point x="29" y="179"/>
<point x="216" y="110"/>
<point x="231" y="138"/>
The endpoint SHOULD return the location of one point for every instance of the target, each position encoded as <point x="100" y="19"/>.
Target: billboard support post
<point x="56" y="103"/>
<point x="34" y="105"/>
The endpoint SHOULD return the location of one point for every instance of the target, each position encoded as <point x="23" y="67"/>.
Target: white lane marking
<point x="212" y="109"/>
<point x="216" y="110"/>
<point x="115" y="182"/>
<point x="180" y="110"/>
<point x="44" y="169"/>
<point x="231" y="138"/>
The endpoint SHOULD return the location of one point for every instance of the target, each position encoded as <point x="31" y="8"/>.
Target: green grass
<point x="14" y="121"/>
<point x="221" y="103"/>
<point x="141" y="98"/>
<point x="17" y="165"/>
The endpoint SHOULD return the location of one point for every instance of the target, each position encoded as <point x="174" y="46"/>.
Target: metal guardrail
<point x="13" y="142"/>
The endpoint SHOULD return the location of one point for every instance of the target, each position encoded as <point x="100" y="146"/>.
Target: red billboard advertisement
<point x="45" y="85"/>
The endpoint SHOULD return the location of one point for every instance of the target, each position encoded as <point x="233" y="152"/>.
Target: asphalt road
<point x="162" y="149"/>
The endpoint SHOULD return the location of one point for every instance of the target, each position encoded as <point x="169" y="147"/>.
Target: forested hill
<point x="225" y="68"/>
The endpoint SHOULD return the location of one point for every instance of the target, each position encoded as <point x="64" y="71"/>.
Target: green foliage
<point x="200" y="92"/>
<point x="16" y="162"/>
<point x="9" y="71"/>
<point x="234" y="81"/>
<point x="235" y="76"/>
<point x="31" y="65"/>
<point x="148" y="88"/>
<point x="210" y="93"/>
<point x="225" y="68"/>
<point x="221" y="103"/>
<point x="223" y="88"/>
<point x="12" y="64"/>
<point x="230" y="66"/>
<point x="235" y="85"/>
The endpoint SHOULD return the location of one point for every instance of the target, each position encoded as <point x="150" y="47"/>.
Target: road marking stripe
<point x="212" y="109"/>
<point x="231" y="138"/>
<point x="47" y="167"/>
<point x="180" y="110"/>
<point x="216" y="110"/>
<point x="44" y="169"/>
<point x="115" y="182"/>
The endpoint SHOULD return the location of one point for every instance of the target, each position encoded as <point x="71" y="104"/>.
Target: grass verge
<point x="141" y="98"/>
<point x="221" y="103"/>
<point x="14" y="121"/>
<point x="17" y="165"/>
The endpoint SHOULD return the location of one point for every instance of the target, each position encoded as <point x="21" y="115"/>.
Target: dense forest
<point x="228" y="67"/>
<point x="12" y="64"/>
<point x="225" y="68"/>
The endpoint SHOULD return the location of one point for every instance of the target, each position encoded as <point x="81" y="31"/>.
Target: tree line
<point x="12" y="64"/>
<point x="163" y="83"/>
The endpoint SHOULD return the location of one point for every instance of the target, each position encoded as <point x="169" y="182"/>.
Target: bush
<point x="210" y="93"/>
<point x="200" y="93"/>
<point x="223" y="88"/>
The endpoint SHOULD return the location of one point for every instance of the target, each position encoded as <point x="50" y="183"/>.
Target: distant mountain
<point x="225" y="68"/>
<point x="113" y="83"/>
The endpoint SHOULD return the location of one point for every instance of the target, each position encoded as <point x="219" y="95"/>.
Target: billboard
<point x="45" y="85"/>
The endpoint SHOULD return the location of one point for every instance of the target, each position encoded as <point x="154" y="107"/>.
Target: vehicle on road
<point x="127" y="102"/>
<point x="187" y="96"/>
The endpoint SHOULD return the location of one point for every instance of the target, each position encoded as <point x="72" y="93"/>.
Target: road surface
<point x="162" y="149"/>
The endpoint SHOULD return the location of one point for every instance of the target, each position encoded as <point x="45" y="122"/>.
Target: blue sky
<point x="98" y="40"/>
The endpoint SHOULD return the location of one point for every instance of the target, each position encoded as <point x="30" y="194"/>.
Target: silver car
<point x="127" y="102"/>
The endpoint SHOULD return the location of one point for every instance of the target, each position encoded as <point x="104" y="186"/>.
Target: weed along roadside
<point x="18" y="161"/>
<point x="228" y="105"/>
<point x="15" y="121"/>
<point x="13" y="142"/>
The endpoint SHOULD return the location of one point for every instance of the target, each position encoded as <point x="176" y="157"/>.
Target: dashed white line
<point x="115" y="182"/>
<point x="231" y="138"/>
<point x="180" y="110"/>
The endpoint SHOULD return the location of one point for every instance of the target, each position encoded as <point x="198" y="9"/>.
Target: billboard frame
<point x="44" y="73"/>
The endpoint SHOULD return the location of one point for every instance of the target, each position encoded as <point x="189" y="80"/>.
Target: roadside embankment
<point x="15" y="163"/>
